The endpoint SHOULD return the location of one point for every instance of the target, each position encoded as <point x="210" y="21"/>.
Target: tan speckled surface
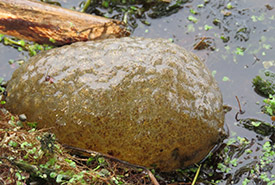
<point x="146" y="101"/>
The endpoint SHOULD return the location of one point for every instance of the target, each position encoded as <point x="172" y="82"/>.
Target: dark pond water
<point x="248" y="29"/>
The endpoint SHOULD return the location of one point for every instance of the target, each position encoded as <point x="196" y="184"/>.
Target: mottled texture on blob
<point x="146" y="101"/>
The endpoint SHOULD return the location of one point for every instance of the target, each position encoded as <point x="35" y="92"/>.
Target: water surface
<point x="249" y="26"/>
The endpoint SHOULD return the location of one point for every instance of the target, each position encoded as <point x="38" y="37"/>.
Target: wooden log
<point x="49" y="24"/>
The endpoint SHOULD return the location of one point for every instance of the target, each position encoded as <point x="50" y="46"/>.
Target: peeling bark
<point x="42" y="23"/>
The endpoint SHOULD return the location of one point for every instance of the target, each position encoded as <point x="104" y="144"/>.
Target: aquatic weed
<point x="269" y="107"/>
<point x="22" y="45"/>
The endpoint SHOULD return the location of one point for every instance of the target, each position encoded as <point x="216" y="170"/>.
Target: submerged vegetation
<point x="264" y="83"/>
<point x="132" y="11"/>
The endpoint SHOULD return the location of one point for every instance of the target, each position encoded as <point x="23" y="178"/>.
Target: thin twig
<point x="152" y="177"/>
<point x="199" y="43"/>
<point x="240" y="109"/>
<point x="202" y="43"/>
<point x="87" y="4"/>
<point x="196" y="176"/>
<point x="256" y="59"/>
<point x="149" y="173"/>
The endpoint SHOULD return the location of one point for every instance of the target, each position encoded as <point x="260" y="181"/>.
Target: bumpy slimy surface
<point x="146" y="101"/>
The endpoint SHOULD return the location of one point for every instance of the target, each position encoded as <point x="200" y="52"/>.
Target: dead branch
<point x="49" y="24"/>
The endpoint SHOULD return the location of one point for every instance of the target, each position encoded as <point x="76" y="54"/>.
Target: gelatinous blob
<point x="146" y="101"/>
